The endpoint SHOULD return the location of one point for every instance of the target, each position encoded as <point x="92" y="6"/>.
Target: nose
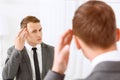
<point x="38" y="33"/>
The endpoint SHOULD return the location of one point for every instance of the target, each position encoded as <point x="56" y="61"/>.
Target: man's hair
<point x="94" y="23"/>
<point x="27" y="20"/>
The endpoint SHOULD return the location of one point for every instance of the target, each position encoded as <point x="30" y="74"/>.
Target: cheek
<point x="31" y="37"/>
<point x="41" y="34"/>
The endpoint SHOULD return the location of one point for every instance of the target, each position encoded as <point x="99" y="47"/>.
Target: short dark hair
<point x="94" y="23"/>
<point x="28" y="19"/>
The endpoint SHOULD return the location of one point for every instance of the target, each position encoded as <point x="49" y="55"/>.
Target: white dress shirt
<point x="109" y="56"/>
<point x="39" y="55"/>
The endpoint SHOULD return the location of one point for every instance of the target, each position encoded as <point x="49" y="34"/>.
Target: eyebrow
<point x="40" y="28"/>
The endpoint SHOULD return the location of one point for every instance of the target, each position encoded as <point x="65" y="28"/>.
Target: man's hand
<point x="61" y="55"/>
<point x="20" y="39"/>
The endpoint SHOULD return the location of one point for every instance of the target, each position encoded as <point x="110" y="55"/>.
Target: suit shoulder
<point x="47" y="45"/>
<point x="11" y="48"/>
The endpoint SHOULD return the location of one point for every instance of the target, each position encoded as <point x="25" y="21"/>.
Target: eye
<point x="34" y="31"/>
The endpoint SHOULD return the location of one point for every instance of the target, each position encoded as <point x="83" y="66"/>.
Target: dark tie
<point x="36" y="64"/>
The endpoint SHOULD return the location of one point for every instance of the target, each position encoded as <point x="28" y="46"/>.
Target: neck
<point x="31" y="44"/>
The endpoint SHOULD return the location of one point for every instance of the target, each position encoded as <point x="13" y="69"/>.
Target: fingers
<point x="61" y="55"/>
<point x="20" y="39"/>
<point x="65" y="39"/>
<point x="22" y="34"/>
<point x="66" y="52"/>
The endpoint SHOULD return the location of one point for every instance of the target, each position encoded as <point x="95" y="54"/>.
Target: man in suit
<point x="21" y="61"/>
<point x="95" y="33"/>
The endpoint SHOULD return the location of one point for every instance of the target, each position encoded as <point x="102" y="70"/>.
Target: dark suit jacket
<point x="18" y="63"/>
<point x="109" y="70"/>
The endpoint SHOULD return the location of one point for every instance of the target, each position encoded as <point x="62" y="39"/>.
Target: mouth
<point x="39" y="39"/>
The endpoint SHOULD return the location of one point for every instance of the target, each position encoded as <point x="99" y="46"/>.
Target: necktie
<point x="36" y="64"/>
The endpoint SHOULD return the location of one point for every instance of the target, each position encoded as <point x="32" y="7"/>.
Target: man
<point x="95" y="33"/>
<point x="22" y="62"/>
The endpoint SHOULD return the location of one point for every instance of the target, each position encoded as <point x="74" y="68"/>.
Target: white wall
<point x="56" y="17"/>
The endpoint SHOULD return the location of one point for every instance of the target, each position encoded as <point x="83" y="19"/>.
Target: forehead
<point x="32" y="25"/>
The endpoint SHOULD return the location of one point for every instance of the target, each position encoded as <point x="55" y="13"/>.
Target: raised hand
<point x="20" y="39"/>
<point x="61" y="55"/>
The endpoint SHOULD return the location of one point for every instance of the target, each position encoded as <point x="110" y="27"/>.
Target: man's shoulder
<point x="46" y="45"/>
<point x="11" y="47"/>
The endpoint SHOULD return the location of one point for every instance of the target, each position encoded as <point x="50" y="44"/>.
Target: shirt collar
<point x="108" y="56"/>
<point x="29" y="47"/>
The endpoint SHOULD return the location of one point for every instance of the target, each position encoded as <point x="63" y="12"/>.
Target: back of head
<point x="94" y="23"/>
<point x="27" y="20"/>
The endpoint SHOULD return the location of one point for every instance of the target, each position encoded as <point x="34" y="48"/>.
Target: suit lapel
<point x="44" y="58"/>
<point x="27" y="61"/>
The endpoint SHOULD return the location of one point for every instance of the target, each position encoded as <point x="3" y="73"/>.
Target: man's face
<point x="34" y="33"/>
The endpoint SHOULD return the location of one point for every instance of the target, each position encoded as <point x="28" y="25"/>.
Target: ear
<point x="77" y="42"/>
<point x="117" y="34"/>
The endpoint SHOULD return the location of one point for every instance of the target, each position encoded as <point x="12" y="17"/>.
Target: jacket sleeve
<point x="51" y="75"/>
<point x="12" y="64"/>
